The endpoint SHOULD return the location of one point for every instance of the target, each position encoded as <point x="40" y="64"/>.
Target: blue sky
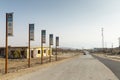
<point x="78" y="23"/>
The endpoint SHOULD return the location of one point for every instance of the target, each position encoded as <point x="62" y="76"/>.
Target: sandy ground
<point x="111" y="57"/>
<point x="18" y="67"/>
<point x="82" y="67"/>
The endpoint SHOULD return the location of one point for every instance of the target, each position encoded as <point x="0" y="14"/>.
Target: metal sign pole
<point x="30" y="37"/>
<point x="41" y="51"/>
<point x="57" y="44"/>
<point x="56" y="52"/>
<point x="6" y="59"/>
<point x="29" y="48"/>
<point x="49" y="53"/>
<point x="43" y="34"/>
<point x="9" y="32"/>
<point x="41" y="48"/>
<point x="50" y="43"/>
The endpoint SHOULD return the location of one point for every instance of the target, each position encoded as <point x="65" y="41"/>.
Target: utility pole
<point x="119" y="42"/>
<point x="119" y="45"/>
<point x="102" y="39"/>
<point x="106" y="47"/>
<point x="112" y="48"/>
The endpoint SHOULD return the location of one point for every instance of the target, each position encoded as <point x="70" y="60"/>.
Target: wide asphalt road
<point x="114" y="66"/>
<point x="82" y="67"/>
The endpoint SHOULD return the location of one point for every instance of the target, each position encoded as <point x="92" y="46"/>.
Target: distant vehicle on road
<point x="84" y="53"/>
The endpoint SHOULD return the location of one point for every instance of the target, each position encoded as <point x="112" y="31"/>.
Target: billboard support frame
<point x="31" y="27"/>
<point x="43" y="40"/>
<point x="57" y="44"/>
<point x="29" y="47"/>
<point x="50" y="43"/>
<point x="6" y="37"/>
<point x="6" y="50"/>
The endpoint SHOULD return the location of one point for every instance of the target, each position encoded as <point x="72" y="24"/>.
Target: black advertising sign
<point x="31" y="29"/>
<point x="43" y="32"/>
<point x="57" y="41"/>
<point x="51" y="39"/>
<point x="10" y="23"/>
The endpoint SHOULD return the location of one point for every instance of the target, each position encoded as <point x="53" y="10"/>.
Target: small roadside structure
<point x="18" y="52"/>
<point x="36" y="52"/>
<point x="14" y="52"/>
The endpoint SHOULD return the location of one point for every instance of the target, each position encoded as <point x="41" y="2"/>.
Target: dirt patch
<point x="111" y="57"/>
<point x="18" y="67"/>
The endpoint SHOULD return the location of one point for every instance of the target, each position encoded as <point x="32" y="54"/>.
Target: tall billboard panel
<point x="51" y="39"/>
<point x="57" y="41"/>
<point x="31" y="30"/>
<point x="43" y="36"/>
<point x="10" y="23"/>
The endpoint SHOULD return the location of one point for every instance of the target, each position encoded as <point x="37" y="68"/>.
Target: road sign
<point x="9" y="32"/>
<point x="43" y="36"/>
<point x="57" y="41"/>
<point x="51" y="39"/>
<point x="10" y="23"/>
<point x="31" y="28"/>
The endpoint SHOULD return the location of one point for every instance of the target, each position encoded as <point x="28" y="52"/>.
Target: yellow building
<point x="36" y="52"/>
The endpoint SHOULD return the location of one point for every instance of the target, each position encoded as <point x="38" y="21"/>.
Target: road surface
<point x="82" y="67"/>
<point x="113" y="65"/>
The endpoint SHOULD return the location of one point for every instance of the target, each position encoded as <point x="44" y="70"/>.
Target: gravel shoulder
<point x="113" y="65"/>
<point x="111" y="57"/>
